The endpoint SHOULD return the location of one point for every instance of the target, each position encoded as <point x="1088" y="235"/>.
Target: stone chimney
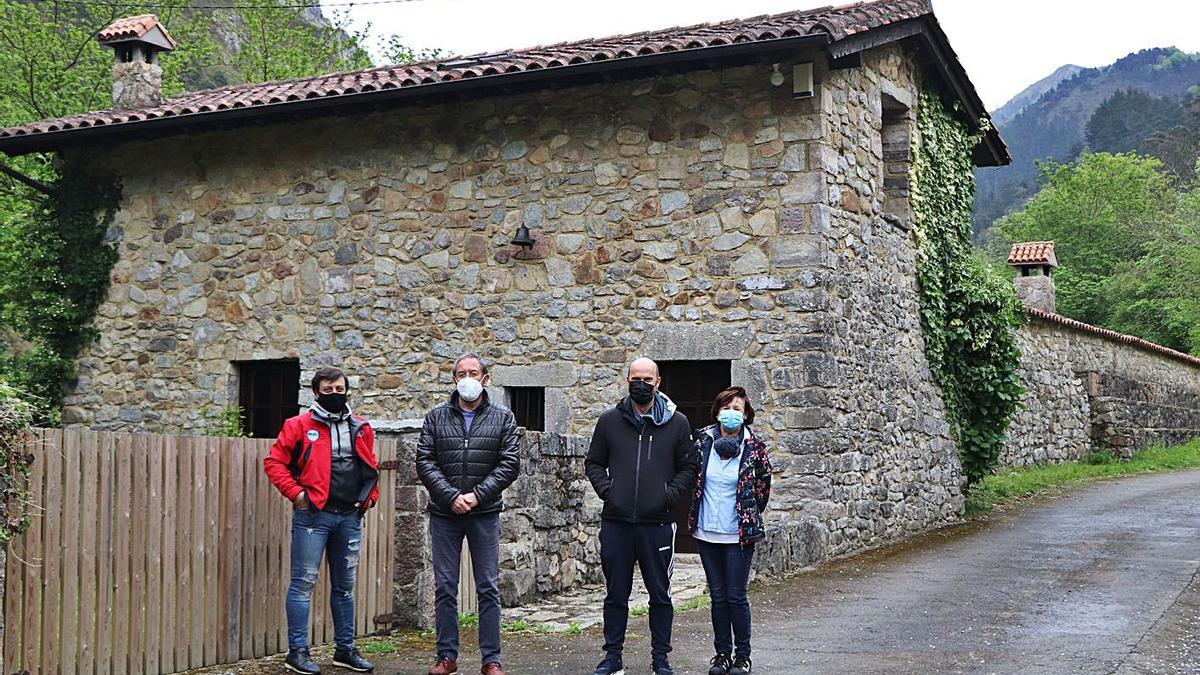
<point x="137" y="77"/>
<point x="1035" y="263"/>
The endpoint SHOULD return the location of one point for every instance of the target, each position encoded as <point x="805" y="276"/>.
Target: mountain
<point x="1053" y="125"/>
<point x="1032" y="93"/>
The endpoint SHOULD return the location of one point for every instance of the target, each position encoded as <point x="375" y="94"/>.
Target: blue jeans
<point x="315" y="533"/>
<point x="727" y="568"/>
<point x="446" y="534"/>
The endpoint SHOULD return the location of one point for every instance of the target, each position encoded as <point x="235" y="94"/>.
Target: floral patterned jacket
<point x="753" y="485"/>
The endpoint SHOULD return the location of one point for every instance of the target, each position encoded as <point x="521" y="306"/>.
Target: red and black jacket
<point x="301" y="459"/>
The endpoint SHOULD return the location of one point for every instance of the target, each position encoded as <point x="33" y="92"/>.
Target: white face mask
<point x="469" y="389"/>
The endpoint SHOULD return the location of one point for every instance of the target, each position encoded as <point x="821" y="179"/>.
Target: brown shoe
<point x="491" y="669"/>
<point x="444" y="666"/>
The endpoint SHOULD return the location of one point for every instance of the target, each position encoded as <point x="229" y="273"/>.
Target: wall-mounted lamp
<point x="522" y="238"/>
<point x="776" y="75"/>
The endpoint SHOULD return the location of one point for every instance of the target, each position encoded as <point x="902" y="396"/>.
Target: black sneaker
<point x="298" y="661"/>
<point x="611" y="665"/>
<point x="720" y="665"/>
<point x="741" y="666"/>
<point x="353" y="660"/>
<point x="663" y="668"/>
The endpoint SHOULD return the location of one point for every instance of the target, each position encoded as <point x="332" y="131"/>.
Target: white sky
<point x="1005" y="45"/>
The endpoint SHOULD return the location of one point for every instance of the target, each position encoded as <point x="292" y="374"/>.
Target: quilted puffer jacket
<point x="451" y="461"/>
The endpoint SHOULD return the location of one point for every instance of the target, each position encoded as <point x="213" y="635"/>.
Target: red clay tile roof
<point x="832" y="23"/>
<point x="1032" y="253"/>
<point x="1082" y="327"/>
<point x="132" y="27"/>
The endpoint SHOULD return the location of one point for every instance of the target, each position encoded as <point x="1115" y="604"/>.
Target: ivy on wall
<point x="55" y="266"/>
<point x="16" y="420"/>
<point x="969" y="312"/>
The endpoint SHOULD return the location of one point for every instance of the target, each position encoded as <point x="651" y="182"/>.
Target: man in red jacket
<point x="324" y="462"/>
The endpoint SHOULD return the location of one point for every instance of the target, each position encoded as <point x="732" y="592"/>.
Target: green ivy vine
<point x="16" y="423"/>
<point x="969" y="312"/>
<point x="55" y="266"/>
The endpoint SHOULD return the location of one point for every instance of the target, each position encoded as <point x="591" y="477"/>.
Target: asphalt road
<point x="1101" y="580"/>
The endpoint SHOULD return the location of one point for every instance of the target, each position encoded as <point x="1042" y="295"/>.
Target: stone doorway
<point x="692" y="385"/>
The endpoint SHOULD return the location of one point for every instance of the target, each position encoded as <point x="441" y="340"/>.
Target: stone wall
<point x="698" y="216"/>
<point x="549" y="532"/>
<point x="1088" y="389"/>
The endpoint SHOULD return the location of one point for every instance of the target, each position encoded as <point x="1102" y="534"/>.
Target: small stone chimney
<point x="1035" y="263"/>
<point x="137" y="77"/>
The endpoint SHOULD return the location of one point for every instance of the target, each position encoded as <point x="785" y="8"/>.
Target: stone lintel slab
<point x="682" y="342"/>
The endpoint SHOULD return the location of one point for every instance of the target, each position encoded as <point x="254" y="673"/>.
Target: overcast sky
<point x="1005" y="45"/>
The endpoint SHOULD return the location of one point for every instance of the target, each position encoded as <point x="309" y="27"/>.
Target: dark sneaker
<point x="491" y="668"/>
<point x="353" y="660"/>
<point x="720" y="665"/>
<point x="444" y="666"/>
<point x="611" y="665"/>
<point x="298" y="661"/>
<point x="663" y="668"/>
<point x="741" y="666"/>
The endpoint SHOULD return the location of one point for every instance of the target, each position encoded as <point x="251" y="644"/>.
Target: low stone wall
<point x="1087" y="388"/>
<point x="549" y="532"/>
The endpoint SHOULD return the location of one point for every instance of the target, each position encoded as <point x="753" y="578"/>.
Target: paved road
<point x="1103" y="580"/>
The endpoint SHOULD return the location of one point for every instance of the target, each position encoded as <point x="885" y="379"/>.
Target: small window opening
<point x="529" y="406"/>
<point x="896" y="133"/>
<point x="268" y="393"/>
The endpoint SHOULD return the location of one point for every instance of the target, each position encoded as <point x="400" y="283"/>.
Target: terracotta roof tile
<point x="1113" y="335"/>
<point x="837" y="22"/>
<point x="1033" y="253"/>
<point x="132" y="27"/>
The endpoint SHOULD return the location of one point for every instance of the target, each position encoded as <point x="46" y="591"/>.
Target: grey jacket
<point x="451" y="461"/>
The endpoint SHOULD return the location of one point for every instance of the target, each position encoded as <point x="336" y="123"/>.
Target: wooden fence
<point x="155" y="554"/>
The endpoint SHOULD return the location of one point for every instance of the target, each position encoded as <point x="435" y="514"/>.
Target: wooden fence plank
<point x="52" y="541"/>
<point x="89" y="509"/>
<point x="183" y="553"/>
<point x="153" y="533"/>
<point x="122" y="597"/>
<point x="231" y="475"/>
<point x="262" y="629"/>
<point x="69" y="605"/>
<point x="14" y="580"/>
<point x="170" y="567"/>
<point x="104" y="554"/>
<point x="251" y="596"/>
<point x="34" y="556"/>
<point x="200" y="617"/>
<point x="139" y="487"/>
<point x="212" y="648"/>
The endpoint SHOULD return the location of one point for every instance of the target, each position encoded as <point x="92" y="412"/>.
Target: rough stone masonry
<point x="698" y="216"/>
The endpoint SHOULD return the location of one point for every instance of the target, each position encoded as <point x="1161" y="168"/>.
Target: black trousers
<point x="652" y="547"/>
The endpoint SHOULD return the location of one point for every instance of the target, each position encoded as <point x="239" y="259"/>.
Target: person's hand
<point x="472" y="500"/>
<point x="460" y="505"/>
<point x="301" y="500"/>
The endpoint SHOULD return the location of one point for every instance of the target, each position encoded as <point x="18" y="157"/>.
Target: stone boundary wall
<point x="1090" y="389"/>
<point x="549" y="531"/>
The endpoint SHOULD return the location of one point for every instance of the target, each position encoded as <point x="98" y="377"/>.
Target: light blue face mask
<point x="730" y="419"/>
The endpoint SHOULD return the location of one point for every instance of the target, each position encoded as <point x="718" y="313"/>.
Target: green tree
<point x="1103" y="212"/>
<point x="1155" y="296"/>
<point x="280" y="42"/>
<point x="1124" y="121"/>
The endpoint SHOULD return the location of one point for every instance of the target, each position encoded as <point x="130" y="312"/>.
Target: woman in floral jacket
<point x="732" y="489"/>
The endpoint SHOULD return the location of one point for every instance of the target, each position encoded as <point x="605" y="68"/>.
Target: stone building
<point x="728" y="199"/>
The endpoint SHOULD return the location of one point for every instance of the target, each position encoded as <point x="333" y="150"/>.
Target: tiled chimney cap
<point x="144" y="27"/>
<point x="1033" y="253"/>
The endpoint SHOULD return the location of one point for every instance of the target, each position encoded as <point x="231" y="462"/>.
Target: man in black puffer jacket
<point x="641" y="463"/>
<point x="466" y="456"/>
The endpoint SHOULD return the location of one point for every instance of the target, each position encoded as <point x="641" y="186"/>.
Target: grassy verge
<point x="1012" y="486"/>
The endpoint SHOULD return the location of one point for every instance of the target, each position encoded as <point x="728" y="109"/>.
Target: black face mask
<point x="641" y="392"/>
<point x="334" y="403"/>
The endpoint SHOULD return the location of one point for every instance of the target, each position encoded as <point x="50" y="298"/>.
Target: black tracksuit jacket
<point x="641" y="471"/>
